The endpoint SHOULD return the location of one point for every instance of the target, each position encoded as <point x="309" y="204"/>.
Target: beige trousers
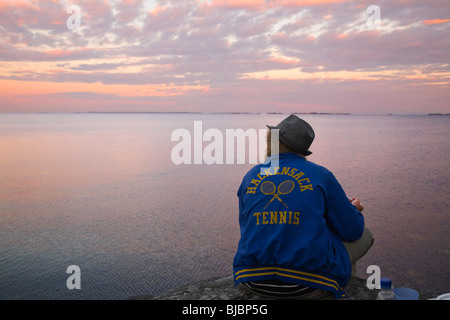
<point x="357" y="249"/>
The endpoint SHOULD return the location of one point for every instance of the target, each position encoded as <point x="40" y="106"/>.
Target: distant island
<point x="439" y="114"/>
<point x="326" y="113"/>
<point x="219" y="112"/>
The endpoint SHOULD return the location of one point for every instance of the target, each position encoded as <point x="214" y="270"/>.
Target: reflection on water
<point x="100" y="191"/>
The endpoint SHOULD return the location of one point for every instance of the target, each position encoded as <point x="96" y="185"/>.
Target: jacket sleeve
<point x="342" y="217"/>
<point x="240" y="194"/>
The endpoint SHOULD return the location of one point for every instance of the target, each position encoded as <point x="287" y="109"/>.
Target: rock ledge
<point x="223" y="289"/>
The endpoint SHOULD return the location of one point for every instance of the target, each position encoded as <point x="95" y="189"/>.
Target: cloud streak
<point x="226" y="55"/>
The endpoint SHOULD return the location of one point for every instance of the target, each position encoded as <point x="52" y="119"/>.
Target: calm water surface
<point x="100" y="191"/>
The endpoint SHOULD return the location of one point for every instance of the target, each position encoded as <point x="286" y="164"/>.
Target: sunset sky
<point x="225" y="56"/>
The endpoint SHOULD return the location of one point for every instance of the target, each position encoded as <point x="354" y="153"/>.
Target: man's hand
<point x="357" y="204"/>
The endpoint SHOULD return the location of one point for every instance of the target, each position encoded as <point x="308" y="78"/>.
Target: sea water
<point x="100" y="191"/>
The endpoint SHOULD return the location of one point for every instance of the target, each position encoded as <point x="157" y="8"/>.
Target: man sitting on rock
<point x="300" y="234"/>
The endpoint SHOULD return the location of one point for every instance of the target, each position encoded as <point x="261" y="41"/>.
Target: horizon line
<point x="226" y="112"/>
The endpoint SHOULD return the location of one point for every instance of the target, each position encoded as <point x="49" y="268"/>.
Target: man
<point x="300" y="234"/>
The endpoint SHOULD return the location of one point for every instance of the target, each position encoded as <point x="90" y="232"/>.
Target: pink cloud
<point x="262" y="4"/>
<point x="214" y="45"/>
<point x="239" y="4"/>
<point x="31" y="14"/>
<point x="435" y="21"/>
<point x="128" y="10"/>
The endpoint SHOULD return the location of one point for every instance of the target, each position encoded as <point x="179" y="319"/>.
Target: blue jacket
<point x="293" y="219"/>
